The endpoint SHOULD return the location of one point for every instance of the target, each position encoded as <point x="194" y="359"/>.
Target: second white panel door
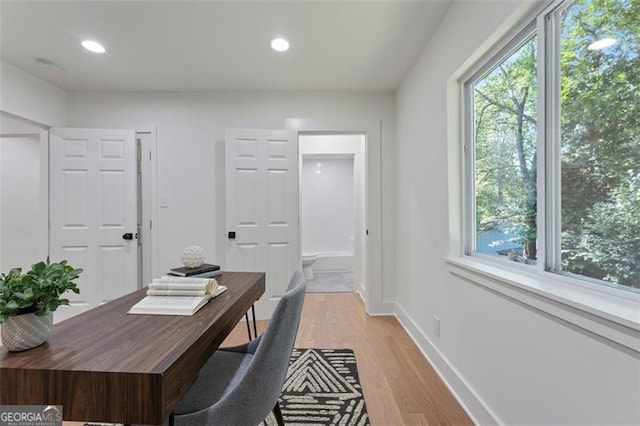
<point x="262" y="207"/>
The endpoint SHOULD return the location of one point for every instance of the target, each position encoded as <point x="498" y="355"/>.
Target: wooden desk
<point x="107" y="366"/>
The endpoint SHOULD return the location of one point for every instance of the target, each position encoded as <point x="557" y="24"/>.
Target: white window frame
<point x="593" y="306"/>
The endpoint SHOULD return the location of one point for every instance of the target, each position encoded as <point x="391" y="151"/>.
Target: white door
<point x="93" y="218"/>
<point x="262" y="208"/>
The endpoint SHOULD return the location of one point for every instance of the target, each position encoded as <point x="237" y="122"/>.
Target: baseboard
<point x="470" y="402"/>
<point x="384" y="309"/>
<point x="360" y="292"/>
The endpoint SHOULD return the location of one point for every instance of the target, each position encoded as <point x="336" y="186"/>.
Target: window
<point x="583" y="118"/>
<point x="504" y="141"/>
<point x="600" y="140"/>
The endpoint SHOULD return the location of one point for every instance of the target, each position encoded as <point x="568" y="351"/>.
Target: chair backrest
<point x="258" y="391"/>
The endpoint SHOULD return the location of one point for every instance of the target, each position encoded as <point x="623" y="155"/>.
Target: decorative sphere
<point x="193" y="256"/>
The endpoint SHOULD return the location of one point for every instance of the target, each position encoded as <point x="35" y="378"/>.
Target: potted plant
<point x="27" y="302"/>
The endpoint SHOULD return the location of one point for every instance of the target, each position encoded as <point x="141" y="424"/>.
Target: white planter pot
<point x="26" y="331"/>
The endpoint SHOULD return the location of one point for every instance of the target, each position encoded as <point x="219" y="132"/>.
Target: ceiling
<point x="219" y="45"/>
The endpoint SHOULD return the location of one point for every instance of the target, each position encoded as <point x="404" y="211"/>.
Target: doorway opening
<point x="371" y="288"/>
<point x="333" y="211"/>
<point x="23" y="222"/>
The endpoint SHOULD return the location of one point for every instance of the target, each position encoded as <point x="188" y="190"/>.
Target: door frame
<point x="148" y="202"/>
<point x="373" y="295"/>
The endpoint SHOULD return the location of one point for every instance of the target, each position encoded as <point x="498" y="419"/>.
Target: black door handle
<point x="127" y="236"/>
<point x="232" y="235"/>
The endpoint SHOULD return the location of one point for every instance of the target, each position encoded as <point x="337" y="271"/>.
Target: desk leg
<point x="172" y="419"/>
<point x="246" y="317"/>
<point x="255" y="328"/>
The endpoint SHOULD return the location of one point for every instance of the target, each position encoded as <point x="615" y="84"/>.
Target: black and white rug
<point x="322" y="388"/>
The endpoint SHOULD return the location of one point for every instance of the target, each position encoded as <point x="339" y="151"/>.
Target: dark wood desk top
<point x="107" y="366"/>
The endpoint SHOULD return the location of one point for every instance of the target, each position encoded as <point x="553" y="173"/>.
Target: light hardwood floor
<point x="399" y="385"/>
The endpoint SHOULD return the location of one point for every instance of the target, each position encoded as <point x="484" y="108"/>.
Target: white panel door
<point x="92" y="178"/>
<point x="262" y="207"/>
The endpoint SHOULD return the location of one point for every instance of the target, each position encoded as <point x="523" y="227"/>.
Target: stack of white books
<point x="177" y="296"/>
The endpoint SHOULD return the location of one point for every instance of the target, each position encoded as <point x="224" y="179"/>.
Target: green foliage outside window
<point x="600" y="133"/>
<point x="600" y="143"/>
<point x="505" y="147"/>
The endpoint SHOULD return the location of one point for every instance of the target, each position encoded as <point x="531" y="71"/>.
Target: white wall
<point x="190" y="134"/>
<point x="1" y="236"/>
<point x="26" y="96"/>
<point x="327" y="205"/>
<point x="507" y="362"/>
<point x="20" y="218"/>
<point x="27" y="104"/>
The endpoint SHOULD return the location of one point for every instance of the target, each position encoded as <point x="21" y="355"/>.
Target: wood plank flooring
<point x="399" y="385"/>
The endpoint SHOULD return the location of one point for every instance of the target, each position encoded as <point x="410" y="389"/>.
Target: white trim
<point x="455" y="161"/>
<point x="1" y="267"/>
<point x="614" y="318"/>
<point x="541" y="153"/>
<point x="43" y="223"/>
<point x="24" y="120"/>
<point x="549" y="142"/>
<point x="360" y="292"/>
<point x="469" y="167"/>
<point x="150" y="214"/>
<point x="373" y="294"/>
<point x="19" y="135"/>
<point x="472" y="404"/>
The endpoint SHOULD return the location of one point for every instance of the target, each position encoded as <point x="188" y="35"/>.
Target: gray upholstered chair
<point x="241" y="385"/>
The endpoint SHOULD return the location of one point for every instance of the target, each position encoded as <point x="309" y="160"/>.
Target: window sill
<point x="614" y="318"/>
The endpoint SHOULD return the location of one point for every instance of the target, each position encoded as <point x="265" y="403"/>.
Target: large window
<point x="583" y="118"/>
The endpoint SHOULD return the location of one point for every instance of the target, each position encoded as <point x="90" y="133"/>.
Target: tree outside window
<point x="505" y="157"/>
<point x="600" y="140"/>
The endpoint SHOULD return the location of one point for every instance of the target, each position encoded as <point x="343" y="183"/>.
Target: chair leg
<point x="278" y="414"/>
<point x="246" y="317"/>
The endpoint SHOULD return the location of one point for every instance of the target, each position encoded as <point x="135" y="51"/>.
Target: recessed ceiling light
<point x="93" y="46"/>
<point x="279" y="44"/>
<point x="602" y="44"/>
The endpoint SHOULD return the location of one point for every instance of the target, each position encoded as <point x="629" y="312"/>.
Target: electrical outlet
<point x="436" y="325"/>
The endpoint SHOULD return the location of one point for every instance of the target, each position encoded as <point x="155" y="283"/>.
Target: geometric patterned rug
<point x="322" y="388"/>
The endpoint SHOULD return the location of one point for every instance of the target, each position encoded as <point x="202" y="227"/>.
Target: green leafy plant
<point x="37" y="291"/>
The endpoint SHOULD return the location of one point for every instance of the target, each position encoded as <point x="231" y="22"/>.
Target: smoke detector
<point x="47" y="64"/>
